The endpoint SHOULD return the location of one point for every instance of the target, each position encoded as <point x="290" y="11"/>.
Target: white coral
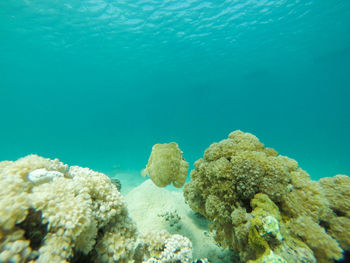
<point x="177" y="248"/>
<point x="42" y="175"/>
<point x="71" y="205"/>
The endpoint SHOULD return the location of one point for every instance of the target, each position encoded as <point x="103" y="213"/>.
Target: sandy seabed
<point x="155" y="209"/>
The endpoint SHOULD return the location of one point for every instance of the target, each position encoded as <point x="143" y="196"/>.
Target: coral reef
<point x="268" y="238"/>
<point x="260" y="205"/>
<point x="266" y="208"/>
<point x="166" y="165"/>
<point x="50" y="212"/>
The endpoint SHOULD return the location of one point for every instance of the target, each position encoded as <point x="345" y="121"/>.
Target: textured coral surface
<point x="52" y="213"/>
<point x="161" y="247"/>
<point x="166" y="165"/>
<point x="295" y="220"/>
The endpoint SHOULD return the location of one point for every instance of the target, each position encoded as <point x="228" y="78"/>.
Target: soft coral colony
<point x="265" y="207"/>
<point x="260" y="204"/>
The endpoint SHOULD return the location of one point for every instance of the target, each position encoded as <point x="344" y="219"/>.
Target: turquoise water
<point x="97" y="83"/>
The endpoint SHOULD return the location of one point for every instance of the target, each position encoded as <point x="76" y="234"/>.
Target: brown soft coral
<point x="325" y="248"/>
<point x="166" y="165"/>
<point x="227" y="178"/>
<point x="339" y="228"/>
<point x="305" y="198"/>
<point x="235" y="170"/>
<point x="337" y="191"/>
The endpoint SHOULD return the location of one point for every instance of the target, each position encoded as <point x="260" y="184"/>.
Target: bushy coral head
<point x="261" y="202"/>
<point x="60" y="214"/>
<point x="166" y="165"/>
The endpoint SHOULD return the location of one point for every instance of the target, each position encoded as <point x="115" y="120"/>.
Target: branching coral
<point x="262" y="204"/>
<point x="166" y="165"/>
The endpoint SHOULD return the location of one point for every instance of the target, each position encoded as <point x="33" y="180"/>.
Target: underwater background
<point x="97" y="83"/>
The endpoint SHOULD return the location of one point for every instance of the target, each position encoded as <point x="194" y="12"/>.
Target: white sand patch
<point x="156" y="208"/>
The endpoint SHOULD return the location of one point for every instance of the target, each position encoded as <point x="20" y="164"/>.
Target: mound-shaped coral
<point x="52" y="213"/>
<point x="166" y="165"/>
<point x="266" y="208"/>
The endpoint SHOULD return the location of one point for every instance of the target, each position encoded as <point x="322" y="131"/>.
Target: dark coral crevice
<point x="35" y="231"/>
